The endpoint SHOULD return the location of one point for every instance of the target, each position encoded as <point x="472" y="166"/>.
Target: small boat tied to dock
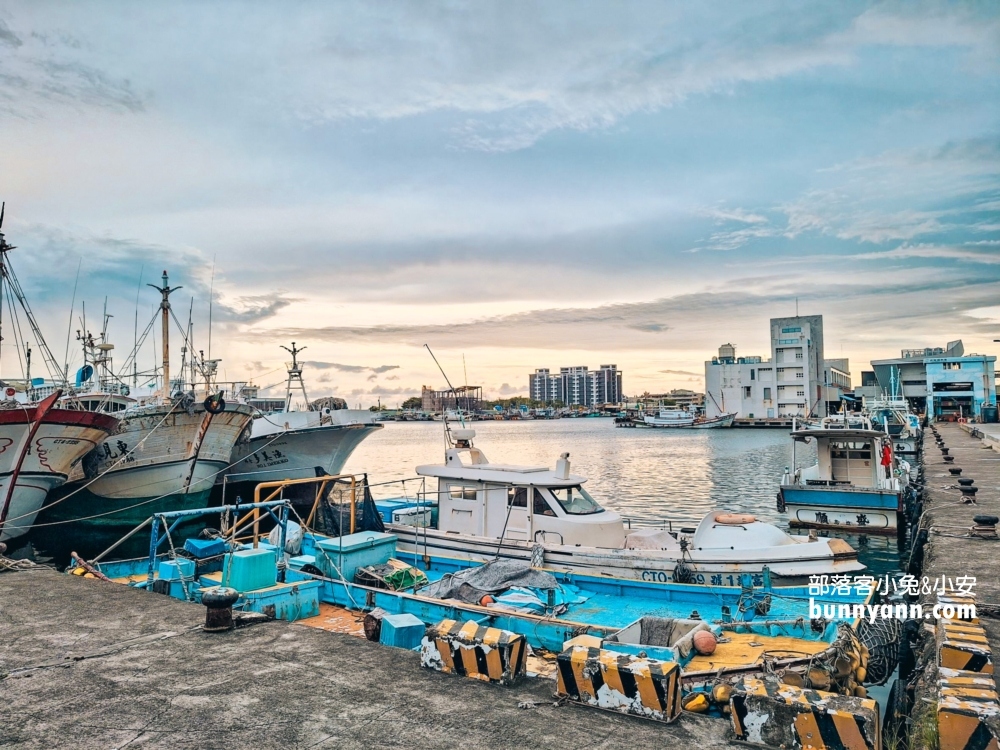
<point x="704" y="644"/>
<point x="858" y="483"/>
<point x="482" y="510"/>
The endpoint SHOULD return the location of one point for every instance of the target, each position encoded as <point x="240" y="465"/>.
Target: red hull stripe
<point x="60" y="417"/>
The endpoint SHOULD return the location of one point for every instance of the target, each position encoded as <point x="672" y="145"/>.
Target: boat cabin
<point x="845" y="457"/>
<point x="523" y="503"/>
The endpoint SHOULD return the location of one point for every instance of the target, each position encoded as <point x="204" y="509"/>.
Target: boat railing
<point x="431" y="497"/>
<point x="667" y="524"/>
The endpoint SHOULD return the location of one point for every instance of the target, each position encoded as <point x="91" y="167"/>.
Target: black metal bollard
<point x="219" y="601"/>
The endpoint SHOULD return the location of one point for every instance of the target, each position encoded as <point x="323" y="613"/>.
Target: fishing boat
<point x="857" y="484"/>
<point x="481" y="510"/>
<point x="169" y="448"/>
<point x="890" y="412"/>
<point x="41" y="440"/>
<point x="297" y="443"/>
<point x="685" y="420"/>
<point x="40" y="444"/>
<point x="759" y="628"/>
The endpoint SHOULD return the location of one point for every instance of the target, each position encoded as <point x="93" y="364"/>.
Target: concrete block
<point x="620" y="682"/>
<point x="472" y="650"/>
<point x="777" y="715"/>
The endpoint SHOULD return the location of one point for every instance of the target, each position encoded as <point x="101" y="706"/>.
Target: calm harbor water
<point x="646" y="475"/>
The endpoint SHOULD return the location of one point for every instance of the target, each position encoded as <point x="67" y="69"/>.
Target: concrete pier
<point x="88" y="664"/>
<point x="951" y="552"/>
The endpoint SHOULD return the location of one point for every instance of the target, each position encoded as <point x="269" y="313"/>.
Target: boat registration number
<point x="714" y="579"/>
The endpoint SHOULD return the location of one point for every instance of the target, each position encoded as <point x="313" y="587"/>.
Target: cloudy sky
<point x="525" y="184"/>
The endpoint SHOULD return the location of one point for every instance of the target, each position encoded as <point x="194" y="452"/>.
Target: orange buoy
<point x="734" y="519"/>
<point x="486" y="600"/>
<point x="705" y="642"/>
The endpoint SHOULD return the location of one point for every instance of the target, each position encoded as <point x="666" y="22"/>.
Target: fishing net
<point x="333" y="511"/>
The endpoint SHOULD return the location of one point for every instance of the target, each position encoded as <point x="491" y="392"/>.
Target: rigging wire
<point x="209" y="478"/>
<point x="69" y="325"/>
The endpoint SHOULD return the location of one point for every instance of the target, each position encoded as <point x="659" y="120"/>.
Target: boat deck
<point x="749" y="649"/>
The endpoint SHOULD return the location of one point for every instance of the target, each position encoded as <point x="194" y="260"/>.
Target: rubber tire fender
<point x="215" y="405"/>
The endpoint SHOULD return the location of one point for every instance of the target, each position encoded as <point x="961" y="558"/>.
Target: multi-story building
<point x="577" y="386"/>
<point x="943" y="383"/>
<point x="795" y="381"/>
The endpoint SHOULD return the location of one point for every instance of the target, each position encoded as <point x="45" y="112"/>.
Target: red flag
<point x="886" y="455"/>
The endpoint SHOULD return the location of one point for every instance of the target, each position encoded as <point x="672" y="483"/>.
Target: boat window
<point x="460" y="492"/>
<point x="576" y="501"/>
<point x="517" y="497"/>
<point x="858" y="449"/>
<point x="540" y="506"/>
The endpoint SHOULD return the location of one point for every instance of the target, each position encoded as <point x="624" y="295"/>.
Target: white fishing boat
<point x="481" y="510"/>
<point x="683" y="419"/>
<point x="300" y="443"/>
<point x="39" y="446"/>
<point x="40" y="440"/>
<point x="857" y="484"/>
<point x="169" y="447"/>
<point x="890" y="411"/>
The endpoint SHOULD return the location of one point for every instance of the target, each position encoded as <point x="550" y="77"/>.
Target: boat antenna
<point x="135" y="332"/>
<point x="69" y="328"/>
<point x="454" y="392"/>
<point x="211" y="300"/>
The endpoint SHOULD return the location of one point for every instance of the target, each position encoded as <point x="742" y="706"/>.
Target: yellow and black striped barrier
<point x="620" y="682"/>
<point x="963" y="645"/>
<point x="779" y="715"/>
<point x="473" y="650"/>
<point x="968" y="711"/>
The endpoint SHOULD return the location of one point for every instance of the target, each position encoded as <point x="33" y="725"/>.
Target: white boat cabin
<point x="527" y="503"/>
<point x="846" y="457"/>
<point x="678" y="417"/>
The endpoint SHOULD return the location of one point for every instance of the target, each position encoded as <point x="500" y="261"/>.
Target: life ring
<point x="962" y="420"/>
<point x="215" y="404"/>
<point x="734" y="519"/>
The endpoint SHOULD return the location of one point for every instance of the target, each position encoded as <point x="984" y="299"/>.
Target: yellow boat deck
<point x="748" y="650"/>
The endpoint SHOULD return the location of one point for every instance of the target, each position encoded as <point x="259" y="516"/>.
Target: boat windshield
<point x="575" y="500"/>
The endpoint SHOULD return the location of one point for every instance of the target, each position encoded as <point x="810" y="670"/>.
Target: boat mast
<point x="165" y="291"/>
<point x="295" y="374"/>
<point x="7" y="274"/>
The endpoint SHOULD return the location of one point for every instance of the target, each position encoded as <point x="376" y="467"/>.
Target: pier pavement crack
<point x="70" y="660"/>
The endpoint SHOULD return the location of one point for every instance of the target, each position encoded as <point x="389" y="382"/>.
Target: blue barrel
<point x="989" y="413"/>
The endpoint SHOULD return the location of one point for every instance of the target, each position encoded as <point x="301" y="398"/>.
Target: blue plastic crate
<point x="402" y="631"/>
<point x="353" y="551"/>
<point x="172" y="570"/>
<point x="249" y="569"/>
<point x="202" y="548"/>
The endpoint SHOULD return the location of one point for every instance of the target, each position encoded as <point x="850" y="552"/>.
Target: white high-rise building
<point x="577" y="386"/>
<point x="792" y="382"/>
